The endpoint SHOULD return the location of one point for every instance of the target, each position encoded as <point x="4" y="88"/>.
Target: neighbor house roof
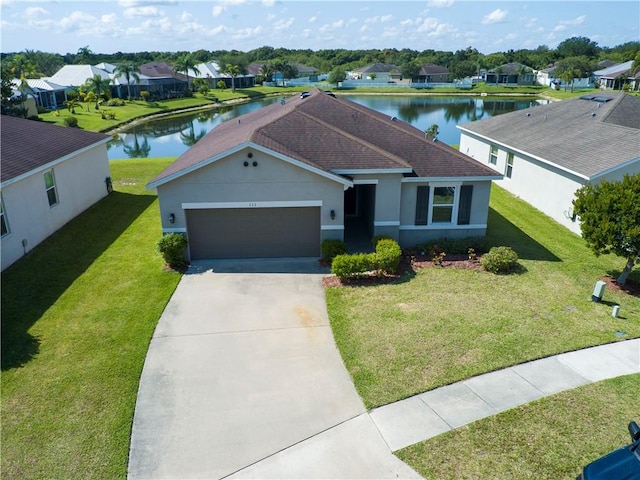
<point x="588" y="136"/>
<point x="44" y="84"/>
<point x="46" y="144"/>
<point x="161" y="70"/>
<point x="615" y="70"/>
<point x="378" y="68"/>
<point x="432" y="69"/>
<point x="76" y="75"/>
<point x="509" y="68"/>
<point x="331" y="134"/>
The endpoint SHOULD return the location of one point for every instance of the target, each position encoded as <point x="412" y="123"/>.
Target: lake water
<point x="172" y="136"/>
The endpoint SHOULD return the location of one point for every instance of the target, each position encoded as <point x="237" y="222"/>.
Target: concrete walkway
<point x="429" y="414"/>
<point x="243" y="380"/>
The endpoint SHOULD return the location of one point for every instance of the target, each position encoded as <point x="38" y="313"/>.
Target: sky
<point x="64" y="26"/>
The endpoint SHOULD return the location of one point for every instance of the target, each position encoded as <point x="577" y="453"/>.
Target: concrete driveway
<point x="243" y="378"/>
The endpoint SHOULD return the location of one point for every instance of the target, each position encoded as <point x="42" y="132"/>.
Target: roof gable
<point x="580" y="135"/>
<point x="47" y="144"/>
<point x="331" y="134"/>
<point x="76" y="75"/>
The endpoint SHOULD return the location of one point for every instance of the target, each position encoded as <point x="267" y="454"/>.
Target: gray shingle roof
<point x="332" y="133"/>
<point x="583" y="136"/>
<point x="28" y="144"/>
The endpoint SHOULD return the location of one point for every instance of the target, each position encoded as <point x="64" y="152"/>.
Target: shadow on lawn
<point x="34" y="283"/>
<point x="501" y="231"/>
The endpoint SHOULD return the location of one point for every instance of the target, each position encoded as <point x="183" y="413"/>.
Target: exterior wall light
<point x="333" y="214"/>
<point x="172" y="218"/>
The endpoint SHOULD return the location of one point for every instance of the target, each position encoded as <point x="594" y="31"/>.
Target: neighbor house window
<point x="509" y="168"/>
<point x="50" y="185"/>
<point x="4" y="225"/>
<point x="443" y="200"/>
<point x="493" y="155"/>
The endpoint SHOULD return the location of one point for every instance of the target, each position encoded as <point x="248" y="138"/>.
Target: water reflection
<point x="172" y="136"/>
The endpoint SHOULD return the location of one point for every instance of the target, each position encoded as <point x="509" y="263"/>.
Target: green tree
<point x="577" y="46"/>
<point x="99" y="86"/>
<point x="84" y="55"/>
<point x="336" y="76"/>
<point x="410" y="70"/>
<point x="433" y="130"/>
<point x="129" y="72"/>
<point x="185" y="64"/>
<point x="233" y="71"/>
<point x="609" y="215"/>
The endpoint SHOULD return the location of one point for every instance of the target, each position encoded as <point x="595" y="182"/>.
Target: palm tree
<point x="129" y="72"/>
<point x="137" y="150"/>
<point x="267" y="71"/>
<point x="84" y="55"/>
<point x="234" y="71"/>
<point x="190" y="138"/>
<point x="184" y="64"/>
<point x="99" y="86"/>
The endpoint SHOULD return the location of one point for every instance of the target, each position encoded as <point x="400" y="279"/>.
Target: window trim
<point x="430" y="205"/>
<point x="508" y="168"/>
<point x="4" y="221"/>
<point x="51" y="188"/>
<point x="493" y="154"/>
<point x="454" y="205"/>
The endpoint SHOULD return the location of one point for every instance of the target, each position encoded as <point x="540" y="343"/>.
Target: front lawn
<point x="551" y="438"/>
<point x="443" y="325"/>
<point x="77" y="316"/>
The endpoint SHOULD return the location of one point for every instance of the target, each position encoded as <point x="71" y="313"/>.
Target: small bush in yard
<point x="500" y="260"/>
<point x="352" y="266"/>
<point x="377" y="238"/>
<point x="388" y="255"/>
<point x="71" y="121"/>
<point x="331" y="248"/>
<point x="172" y="246"/>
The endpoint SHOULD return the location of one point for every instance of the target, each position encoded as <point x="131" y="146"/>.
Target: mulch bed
<point x="411" y="263"/>
<point x="408" y="266"/>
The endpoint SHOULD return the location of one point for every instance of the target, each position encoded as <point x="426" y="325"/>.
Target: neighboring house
<point x="303" y="70"/>
<point x="213" y="73"/>
<point x="381" y="72"/>
<point x="76" y="75"/>
<point x="511" y="74"/>
<point x="50" y="174"/>
<point x="432" y="73"/>
<point x="48" y="95"/>
<point x="548" y="152"/>
<point x="277" y="181"/>
<point x="546" y="76"/>
<point x="161" y="81"/>
<point x="616" y="76"/>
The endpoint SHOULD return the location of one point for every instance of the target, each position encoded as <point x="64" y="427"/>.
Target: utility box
<point x="598" y="291"/>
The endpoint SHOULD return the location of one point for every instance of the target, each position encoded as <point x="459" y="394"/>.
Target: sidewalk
<point x="429" y="414"/>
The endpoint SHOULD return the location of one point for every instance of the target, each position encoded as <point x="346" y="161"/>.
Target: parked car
<point x="621" y="464"/>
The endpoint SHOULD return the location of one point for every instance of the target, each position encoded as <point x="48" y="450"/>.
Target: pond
<point x="171" y="136"/>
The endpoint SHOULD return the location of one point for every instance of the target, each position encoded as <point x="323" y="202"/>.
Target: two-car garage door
<point x="254" y="232"/>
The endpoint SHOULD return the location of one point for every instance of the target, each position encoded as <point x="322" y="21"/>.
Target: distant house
<point x="616" y="76"/>
<point x="161" y="80"/>
<point x="546" y="76"/>
<point x="277" y="181"/>
<point x="511" y="74"/>
<point x="46" y="181"/>
<point x="432" y="73"/>
<point x="381" y="72"/>
<point x="213" y="73"/>
<point x="48" y="95"/>
<point x="546" y="153"/>
<point x="77" y="75"/>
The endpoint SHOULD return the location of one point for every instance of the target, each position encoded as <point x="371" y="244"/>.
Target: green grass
<point x="440" y="325"/>
<point x="551" y="438"/>
<point x="78" y="313"/>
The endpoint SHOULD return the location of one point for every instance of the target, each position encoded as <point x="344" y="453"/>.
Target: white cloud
<point x="313" y="19"/>
<point x="232" y="2"/>
<point x="145" y="3"/>
<point x="77" y="21"/>
<point x="217" y="10"/>
<point x="109" y="18"/>
<point x="281" y="25"/>
<point x="379" y="19"/>
<point x="36" y="13"/>
<point x="576" y="21"/>
<point x="494" y="17"/>
<point x="268" y="3"/>
<point x="559" y="28"/>
<point x="147" y="11"/>
<point x="186" y="17"/>
<point x="246" y="33"/>
<point x="440" y="3"/>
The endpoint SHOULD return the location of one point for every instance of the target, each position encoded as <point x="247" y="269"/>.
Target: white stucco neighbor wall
<point x="546" y="187"/>
<point x="271" y="180"/>
<point x="80" y="182"/>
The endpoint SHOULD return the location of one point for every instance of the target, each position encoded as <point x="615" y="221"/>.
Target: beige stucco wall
<point x="80" y="182"/>
<point x="272" y="180"/>
<point x="411" y="234"/>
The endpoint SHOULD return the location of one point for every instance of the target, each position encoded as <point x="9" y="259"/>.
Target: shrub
<point x="352" y="266"/>
<point x="115" y="102"/>
<point x="144" y="95"/>
<point x="388" y="256"/>
<point x="331" y="248"/>
<point x="500" y="260"/>
<point x="71" y="121"/>
<point x="454" y="246"/>
<point x="377" y="238"/>
<point x="172" y="247"/>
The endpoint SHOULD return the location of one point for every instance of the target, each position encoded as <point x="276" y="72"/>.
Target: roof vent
<point x="393" y="119"/>
<point x="593" y="114"/>
<point x="528" y="114"/>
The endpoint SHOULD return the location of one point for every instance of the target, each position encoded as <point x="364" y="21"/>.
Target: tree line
<point x="577" y="54"/>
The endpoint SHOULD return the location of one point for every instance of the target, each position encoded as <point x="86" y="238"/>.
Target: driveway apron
<point x="242" y="367"/>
